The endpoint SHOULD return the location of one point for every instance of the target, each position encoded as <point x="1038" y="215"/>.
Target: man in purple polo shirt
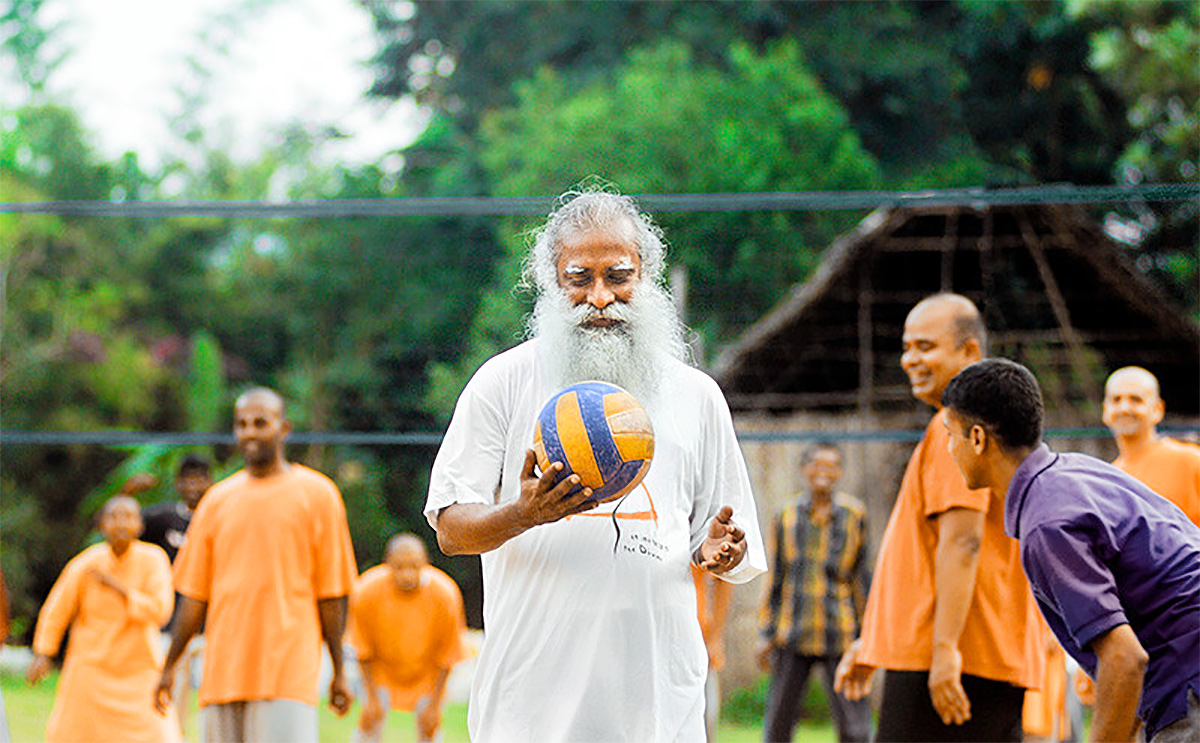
<point x="1114" y="566"/>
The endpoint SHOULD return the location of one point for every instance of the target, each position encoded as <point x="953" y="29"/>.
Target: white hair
<point x="592" y="209"/>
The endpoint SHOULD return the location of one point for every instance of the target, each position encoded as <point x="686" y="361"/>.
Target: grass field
<point x="28" y="707"/>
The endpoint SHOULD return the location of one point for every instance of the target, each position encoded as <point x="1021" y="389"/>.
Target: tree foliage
<point x="666" y="124"/>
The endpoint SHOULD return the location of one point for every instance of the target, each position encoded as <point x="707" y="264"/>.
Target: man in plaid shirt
<point x="819" y="583"/>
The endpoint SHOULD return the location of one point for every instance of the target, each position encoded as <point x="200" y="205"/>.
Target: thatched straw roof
<point x="1056" y="293"/>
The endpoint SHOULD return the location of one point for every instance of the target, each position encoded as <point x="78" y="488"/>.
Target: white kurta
<point x="590" y="627"/>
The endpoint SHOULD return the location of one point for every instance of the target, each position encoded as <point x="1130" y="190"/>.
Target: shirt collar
<point x="1033" y="465"/>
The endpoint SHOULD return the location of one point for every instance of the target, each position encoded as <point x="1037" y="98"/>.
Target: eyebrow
<point x="623" y="266"/>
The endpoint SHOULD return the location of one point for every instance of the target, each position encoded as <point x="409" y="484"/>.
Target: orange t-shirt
<point x="1172" y="469"/>
<point x="1001" y="639"/>
<point x="113" y="658"/>
<point x="262" y="553"/>
<point x="410" y="637"/>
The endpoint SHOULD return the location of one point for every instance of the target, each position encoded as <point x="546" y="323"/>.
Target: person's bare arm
<point x="852" y="679"/>
<point x="1120" y="670"/>
<point x="955" y="566"/>
<point x="430" y="716"/>
<point x="332" y="612"/>
<point x="475" y="528"/>
<point x="188" y="621"/>
<point x="372" y="710"/>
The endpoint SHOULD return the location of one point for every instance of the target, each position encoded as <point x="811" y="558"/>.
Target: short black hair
<point x="819" y="445"/>
<point x="1003" y="397"/>
<point x="194" y="464"/>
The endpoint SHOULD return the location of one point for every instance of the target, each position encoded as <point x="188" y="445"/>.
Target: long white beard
<point x="636" y="353"/>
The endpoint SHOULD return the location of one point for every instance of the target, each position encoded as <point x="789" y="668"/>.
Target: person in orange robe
<point x="267" y="568"/>
<point x="1133" y="409"/>
<point x="712" y="608"/>
<point x="950" y="614"/>
<point x="406" y="627"/>
<point x="113" y="596"/>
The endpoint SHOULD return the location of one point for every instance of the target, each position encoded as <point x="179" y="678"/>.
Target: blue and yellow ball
<point x="599" y="432"/>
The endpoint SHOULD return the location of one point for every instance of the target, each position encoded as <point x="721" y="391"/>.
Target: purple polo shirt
<point x="1101" y="550"/>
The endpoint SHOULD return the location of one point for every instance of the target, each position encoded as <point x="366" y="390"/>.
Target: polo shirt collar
<point x="1038" y="461"/>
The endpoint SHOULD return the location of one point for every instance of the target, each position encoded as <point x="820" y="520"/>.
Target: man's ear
<point x="979" y="439"/>
<point x="973" y="350"/>
<point x="1158" y="412"/>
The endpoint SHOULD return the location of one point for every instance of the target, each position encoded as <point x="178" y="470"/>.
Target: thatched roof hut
<point x="1057" y="294"/>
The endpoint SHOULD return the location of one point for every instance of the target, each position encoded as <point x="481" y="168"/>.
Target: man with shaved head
<point x="268" y="563"/>
<point x="113" y="596"/>
<point x="949" y="615"/>
<point x="406" y="627"/>
<point x="1133" y="408"/>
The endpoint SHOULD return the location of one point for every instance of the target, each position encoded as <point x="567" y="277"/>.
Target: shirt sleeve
<point x="454" y="624"/>
<point x="359" y="630"/>
<point x="153" y="600"/>
<point x="336" y="569"/>
<point x="724" y="481"/>
<point x="193" y="562"/>
<point x="59" y="610"/>
<point x="1064" y="563"/>
<point x="769" y="614"/>
<point x="470" y="461"/>
<point x="862" y="569"/>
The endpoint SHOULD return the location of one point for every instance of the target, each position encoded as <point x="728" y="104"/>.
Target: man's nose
<point x="600" y="295"/>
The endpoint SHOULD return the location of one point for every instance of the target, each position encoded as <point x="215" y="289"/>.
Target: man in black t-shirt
<point x="167" y="523"/>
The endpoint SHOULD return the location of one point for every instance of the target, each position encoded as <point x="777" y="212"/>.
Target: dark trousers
<point x="907" y="714"/>
<point x="789" y="676"/>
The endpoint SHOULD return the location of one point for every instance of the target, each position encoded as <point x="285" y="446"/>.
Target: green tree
<point x="667" y="124"/>
<point x="25" y="36"/>
<point x="929" y="87"/>
<point x="68" y="359"/>
<point x="1150" y="52"/>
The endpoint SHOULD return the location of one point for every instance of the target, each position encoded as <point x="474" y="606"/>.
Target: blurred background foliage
<point x="374" y="324"/>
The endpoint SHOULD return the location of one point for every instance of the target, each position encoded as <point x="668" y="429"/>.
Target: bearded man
<point x="589" y="610"/>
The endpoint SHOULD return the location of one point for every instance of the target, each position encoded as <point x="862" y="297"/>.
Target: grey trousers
<point x="259" y="721"/>
<point x="1184" y="730"/>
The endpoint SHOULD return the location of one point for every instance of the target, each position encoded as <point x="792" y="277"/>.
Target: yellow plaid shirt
<point x="820" y="577"/>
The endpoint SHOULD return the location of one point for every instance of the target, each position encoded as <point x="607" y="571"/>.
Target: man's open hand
<point x="725" y="545"/>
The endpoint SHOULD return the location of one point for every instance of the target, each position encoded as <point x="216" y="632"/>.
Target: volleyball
<point x="599" y="432"/>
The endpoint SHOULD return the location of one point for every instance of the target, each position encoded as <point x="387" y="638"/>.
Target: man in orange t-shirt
<point x="406" y="627"/>
<point x="113" y="597"/>
<point x="950" y="614"/>
<point x="1132" y="411"/>
<point x="268" y="563"/>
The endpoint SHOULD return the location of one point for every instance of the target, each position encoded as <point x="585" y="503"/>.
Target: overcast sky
<point x="286" y="60"/>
